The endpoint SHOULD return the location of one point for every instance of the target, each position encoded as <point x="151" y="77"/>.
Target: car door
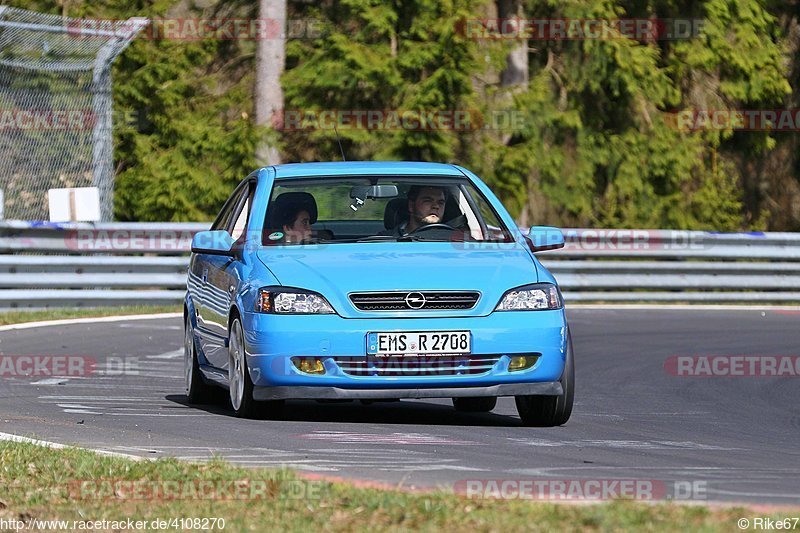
<point x="215" y="275"/>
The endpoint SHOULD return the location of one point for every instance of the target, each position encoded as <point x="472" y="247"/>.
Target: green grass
<point x="37" y="482"/>
<point x="16" y="317"/>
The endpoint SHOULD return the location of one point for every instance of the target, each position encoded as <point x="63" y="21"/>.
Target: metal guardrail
<point x="145" y="263"/>
<point x="102" y="238"/>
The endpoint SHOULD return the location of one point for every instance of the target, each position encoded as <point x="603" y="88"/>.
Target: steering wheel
<point x="432" y="226"/>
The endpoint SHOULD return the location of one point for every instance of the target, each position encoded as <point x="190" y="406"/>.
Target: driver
<point x="425" y="206"/>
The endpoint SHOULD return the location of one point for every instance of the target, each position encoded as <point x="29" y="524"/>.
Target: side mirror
<point x="217" y="242"/>
<point x="543" y="238"/>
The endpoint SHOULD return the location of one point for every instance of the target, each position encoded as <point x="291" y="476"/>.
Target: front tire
<point x="549" y="411"/>
<point x="475" y="405"/>
<point x="240" y="386"/>
<point x="197" y="390"/>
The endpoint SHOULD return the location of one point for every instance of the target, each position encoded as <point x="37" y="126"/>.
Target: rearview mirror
<point x="374" y="191"/>
<point x="543" y="238"/>
<point x="217" y="242"/>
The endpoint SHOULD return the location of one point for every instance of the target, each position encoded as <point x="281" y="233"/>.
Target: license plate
<point x="419" y="343"/>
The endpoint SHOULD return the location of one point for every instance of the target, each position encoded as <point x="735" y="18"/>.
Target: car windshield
<point x="384" y="208"/>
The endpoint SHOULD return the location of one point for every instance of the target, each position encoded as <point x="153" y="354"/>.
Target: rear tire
<point x="480" y="404"/>
<point x="197" y="390"/>
<point x="549" y="411"/>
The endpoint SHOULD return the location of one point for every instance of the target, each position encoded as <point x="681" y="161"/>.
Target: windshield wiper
<point x="419" y="238"/>
<point x="370" y="238"/>
<point x="374" y="238"/>
<point x="314" y="240"/>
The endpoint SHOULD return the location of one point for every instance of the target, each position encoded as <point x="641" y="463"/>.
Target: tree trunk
<point x="516" y="71"/>
<point x="270" y="59"/>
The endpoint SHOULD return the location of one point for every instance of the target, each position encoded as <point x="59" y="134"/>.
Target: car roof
<point x="354" y="168"/>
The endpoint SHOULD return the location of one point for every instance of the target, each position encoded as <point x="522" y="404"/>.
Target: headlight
<point x="534" y="297"/>
<point x="288" y="301"/>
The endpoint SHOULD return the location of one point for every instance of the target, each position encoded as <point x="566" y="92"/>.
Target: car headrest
<point x="451" y="209"/>
<point x="288" y="204"/>
<point x="395" y="212"/>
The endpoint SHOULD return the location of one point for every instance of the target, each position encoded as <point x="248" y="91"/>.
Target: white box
<point x="81" y="204"/>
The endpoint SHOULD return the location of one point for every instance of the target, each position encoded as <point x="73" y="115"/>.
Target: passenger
<point x="290" y="217"/>
<point x="296" y="225"/>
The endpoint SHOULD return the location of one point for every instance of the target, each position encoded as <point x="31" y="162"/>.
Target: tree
<point x="270" y="59"/>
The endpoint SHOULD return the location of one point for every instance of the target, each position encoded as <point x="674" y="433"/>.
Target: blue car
<point x="375" y="281"/>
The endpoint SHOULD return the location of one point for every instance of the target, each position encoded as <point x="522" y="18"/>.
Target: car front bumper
<point x="548" y="388"/>
<point x="272" y="340"/>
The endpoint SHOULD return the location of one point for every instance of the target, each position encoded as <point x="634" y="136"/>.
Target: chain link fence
<point x="56" y="107"/>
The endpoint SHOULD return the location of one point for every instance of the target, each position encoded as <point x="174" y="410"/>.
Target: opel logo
<point x="415" y="300"/>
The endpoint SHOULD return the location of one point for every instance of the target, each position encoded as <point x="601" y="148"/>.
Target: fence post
<point x="55" y="86"/>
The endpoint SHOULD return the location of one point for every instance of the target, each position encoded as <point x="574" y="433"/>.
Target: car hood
<point x="336" y="270"/>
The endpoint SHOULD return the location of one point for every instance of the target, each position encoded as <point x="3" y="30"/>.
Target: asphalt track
<point x="735" y="438"/>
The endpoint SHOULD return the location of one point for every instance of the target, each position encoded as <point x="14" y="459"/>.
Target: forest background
<point x="575" y="132"/>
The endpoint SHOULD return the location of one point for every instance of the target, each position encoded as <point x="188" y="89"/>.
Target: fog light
<point x="521" y="362"/>
<point x="309" y="365"/>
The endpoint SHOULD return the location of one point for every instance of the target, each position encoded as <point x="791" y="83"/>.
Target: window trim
<point x="244" y="199"/>
<point x="230" y="203"/>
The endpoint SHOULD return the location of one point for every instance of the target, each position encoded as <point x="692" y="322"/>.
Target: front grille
<point x="414" y="300"/>
<point x="466" y="365"/>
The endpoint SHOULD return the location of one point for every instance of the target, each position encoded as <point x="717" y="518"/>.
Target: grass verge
<point x="16" y="317"/>
<point x="73" y="484"/>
